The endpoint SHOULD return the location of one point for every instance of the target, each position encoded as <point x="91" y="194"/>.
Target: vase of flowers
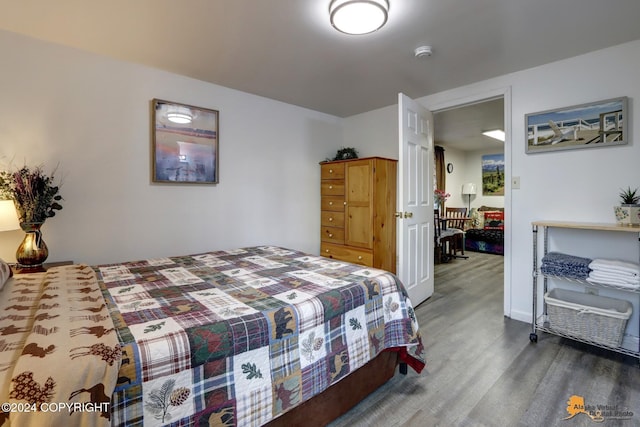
<point x="33" y="251"/>
<point x="36" y="198"/>
<point x="439" y="198"/>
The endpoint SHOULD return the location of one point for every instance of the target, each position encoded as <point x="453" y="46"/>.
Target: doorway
<point x="458" y="124"/>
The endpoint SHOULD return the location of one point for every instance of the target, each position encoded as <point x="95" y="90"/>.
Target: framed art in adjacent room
<point x="594" y="124"/>
<point x="185" y="143"/>
<point x="493" y="174"/>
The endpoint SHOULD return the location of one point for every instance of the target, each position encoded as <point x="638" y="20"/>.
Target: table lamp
<point x="468" y="189"/>
<point x="8" y="216"/>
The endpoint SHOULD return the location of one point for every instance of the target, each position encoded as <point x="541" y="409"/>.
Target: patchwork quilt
<point x="239" y="337"/>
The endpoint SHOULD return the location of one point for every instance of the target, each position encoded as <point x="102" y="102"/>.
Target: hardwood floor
<point x="482" y="370"/>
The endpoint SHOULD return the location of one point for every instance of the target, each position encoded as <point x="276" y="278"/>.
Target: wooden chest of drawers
<point x="357" y="211"/>
<point x="347" y="253"/>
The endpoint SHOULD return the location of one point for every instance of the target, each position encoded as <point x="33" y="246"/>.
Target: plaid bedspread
<point x="239" y="337"/>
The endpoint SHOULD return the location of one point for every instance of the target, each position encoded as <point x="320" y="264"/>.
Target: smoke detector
<point x="422" y="51"/>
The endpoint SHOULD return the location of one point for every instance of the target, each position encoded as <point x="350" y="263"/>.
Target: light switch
<point x="515" y="182"/>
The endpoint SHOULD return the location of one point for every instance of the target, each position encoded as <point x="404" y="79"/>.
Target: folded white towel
<point x="613" y="282"/>
<point x="615" y="271"/>
<point x="614" y="265"/>
<point x="604" y="275"/>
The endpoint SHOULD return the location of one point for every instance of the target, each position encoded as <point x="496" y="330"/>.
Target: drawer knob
<point x="330" y="170"/>
<point x="330" y="219"/>
<point x="360" y="257"/>
<point x="331" y="187"/>
<point x="344" y="203"/>
<point x="330" y="203"/>
<point x="330" y="235"/>
<point x="326" y="250"/>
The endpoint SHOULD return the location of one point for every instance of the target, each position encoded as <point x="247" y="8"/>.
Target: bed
<point x="487" y="231"/>
<point x="242" y="337"/>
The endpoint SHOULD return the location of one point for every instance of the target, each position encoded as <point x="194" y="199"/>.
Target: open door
<point x="415" y="199"/>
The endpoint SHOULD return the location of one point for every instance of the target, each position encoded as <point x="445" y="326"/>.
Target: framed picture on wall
<point x="590" y="125"/>
<point x="493" y="175"/>
<point x="184" y="144"/>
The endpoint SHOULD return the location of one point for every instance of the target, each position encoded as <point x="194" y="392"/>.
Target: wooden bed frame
<point x="341" y="397"/>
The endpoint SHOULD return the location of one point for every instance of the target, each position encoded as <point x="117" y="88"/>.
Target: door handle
<point x="408" y="214"/>
<point x="398" y="214"/>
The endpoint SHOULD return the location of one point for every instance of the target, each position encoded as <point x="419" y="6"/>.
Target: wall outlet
<point x="590" y="290"/>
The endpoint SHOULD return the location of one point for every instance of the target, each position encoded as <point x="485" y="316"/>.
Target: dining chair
<point x="453" y="223"/>
<point x="446" y="239"/>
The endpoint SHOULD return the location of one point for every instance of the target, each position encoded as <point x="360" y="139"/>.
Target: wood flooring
<point x="482" y="370"/>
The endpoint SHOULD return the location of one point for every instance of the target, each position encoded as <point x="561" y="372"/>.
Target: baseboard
<point x="631" y="342"/>
<point x="521" y="316"/>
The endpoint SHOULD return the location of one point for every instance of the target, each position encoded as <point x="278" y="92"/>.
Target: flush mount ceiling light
<point x="495" y="134"/>
<point x="358" y="16"/>
<point x="180" y="115"/>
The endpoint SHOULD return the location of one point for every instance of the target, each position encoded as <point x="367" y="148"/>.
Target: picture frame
<point x="590" y="125"/>
<point x="493" y="178"/>
<point x="185" y="143"/>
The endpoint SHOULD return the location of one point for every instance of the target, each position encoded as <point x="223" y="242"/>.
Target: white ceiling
<point x="462" y="127"/>
<point x="287" y="50"/>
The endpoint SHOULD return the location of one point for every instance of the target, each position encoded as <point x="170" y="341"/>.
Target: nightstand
<point x="45" y="267"/>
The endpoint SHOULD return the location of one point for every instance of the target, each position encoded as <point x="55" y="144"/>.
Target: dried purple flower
<point x="33" y="192"/>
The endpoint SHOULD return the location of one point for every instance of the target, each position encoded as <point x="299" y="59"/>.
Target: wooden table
<point x="43" y="268"/>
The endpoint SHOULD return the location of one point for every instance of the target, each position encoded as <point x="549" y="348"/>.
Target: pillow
<point x="477" y="219"/>
<point x="5" y="273"/>
<point x="494" y="220"/>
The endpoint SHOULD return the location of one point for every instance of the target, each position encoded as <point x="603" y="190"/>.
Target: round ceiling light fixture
<point x="358" y="16"/>
<point x="180" y="115"/>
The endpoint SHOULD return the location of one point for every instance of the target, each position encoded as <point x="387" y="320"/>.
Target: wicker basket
<point x="594" y="318"/>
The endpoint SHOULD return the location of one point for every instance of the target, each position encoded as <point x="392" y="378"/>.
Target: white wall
<point x="374" y="133"/>
<point x="575" y="185"/>
<point x="91" y="115"/>
<point x="455" y="179"/>
<point x="467" y="167"/>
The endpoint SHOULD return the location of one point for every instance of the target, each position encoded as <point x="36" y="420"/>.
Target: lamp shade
<point x="8" y="216"/>
<point x="469" y="188"/>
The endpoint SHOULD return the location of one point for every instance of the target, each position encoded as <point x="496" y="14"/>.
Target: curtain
<point x="441" y="175"/>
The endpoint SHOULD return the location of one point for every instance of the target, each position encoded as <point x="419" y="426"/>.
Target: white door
<point x="415" y="199"/>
